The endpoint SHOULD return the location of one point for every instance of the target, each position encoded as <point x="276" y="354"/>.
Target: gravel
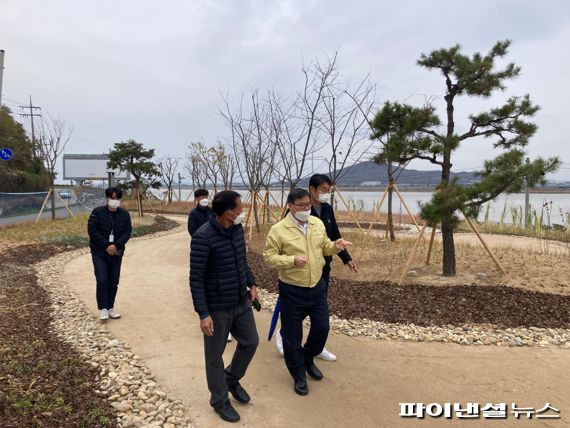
<point x="123" y="378"/>
<point x="466" y="315"/>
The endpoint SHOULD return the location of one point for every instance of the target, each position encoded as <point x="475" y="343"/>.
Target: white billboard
<point x="90" y="167"/>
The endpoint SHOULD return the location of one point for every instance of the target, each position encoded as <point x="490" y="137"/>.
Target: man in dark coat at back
<point x="201" y="213"/>
<point x="223" y="289"/>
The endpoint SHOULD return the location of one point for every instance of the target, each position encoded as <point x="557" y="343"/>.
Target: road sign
<point x="6" y="154"/>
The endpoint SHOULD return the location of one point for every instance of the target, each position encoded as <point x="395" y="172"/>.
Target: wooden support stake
<point x="349" y="211"/>
<point x="430" y="243"/>
<point x="43" y="207"/>
<point x="412" y="255"/>
<point x="274" y="200"/>
<point x="406" y="206"/>
<point x="379" y="208"/>
<point x="260" y="199"/>
<point x="148" y="203"/>
<point x="252" y="209"/>
<point x="503" y="271"/>
<point x="64" y="204"/>
<point x="189" y="194"/>
<point x="249" y="211"/>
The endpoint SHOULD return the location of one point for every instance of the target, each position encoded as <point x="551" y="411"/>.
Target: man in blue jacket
<point x="109" y="228"/>
<point x="223" y="288"/>
<point x="201" y="213"/>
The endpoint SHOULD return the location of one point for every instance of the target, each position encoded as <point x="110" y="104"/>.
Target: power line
<point x="31" y="115"/>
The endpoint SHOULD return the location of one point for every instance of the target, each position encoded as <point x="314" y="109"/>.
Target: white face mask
<point x="302" y="215"/>
<point x="324" y="198"/>
<point x="203" y="202"/>
<point x="239" y="219"/>
<point x="114" y="203"/>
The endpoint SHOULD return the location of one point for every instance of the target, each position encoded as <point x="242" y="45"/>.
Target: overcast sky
<point x="152" y="70"/>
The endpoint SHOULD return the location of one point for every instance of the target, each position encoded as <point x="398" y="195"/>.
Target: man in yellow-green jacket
<point x="296" y="247"/>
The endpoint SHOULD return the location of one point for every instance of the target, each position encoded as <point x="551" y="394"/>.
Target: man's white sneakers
<point x="229" y="337"/>
<point x="103" y="315"/>
<point x="113" y="314"/>
<point x="279" y="343"/>
<point x="327" y="355"/>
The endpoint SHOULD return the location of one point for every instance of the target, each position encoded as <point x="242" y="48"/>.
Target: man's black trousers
<point x="296" y="304"/>
<point x="107" y="274"/>
<point x="240" y="322"/>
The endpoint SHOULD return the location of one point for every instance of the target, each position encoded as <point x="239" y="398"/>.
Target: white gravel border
<point x="478" y="334"/>
<point x="123" y="378"/>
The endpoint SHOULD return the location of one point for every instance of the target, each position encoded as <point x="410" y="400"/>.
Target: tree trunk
<point x="256" y="213"/>
<point x="139" y="198"/>
<point x="52" y="187"/>
<point x="267" y="205"/>
<point x="447" y="219"/>
<point x="390" y="221"/>
<point x="448" y="246"/>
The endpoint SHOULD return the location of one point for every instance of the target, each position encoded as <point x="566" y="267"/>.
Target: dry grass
<point x="561" y="234"/>
<point x="535" y="268"/>
<point x="70" y="231"/>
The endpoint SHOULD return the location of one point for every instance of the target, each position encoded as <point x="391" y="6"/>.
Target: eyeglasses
<point x="306" y="206"/>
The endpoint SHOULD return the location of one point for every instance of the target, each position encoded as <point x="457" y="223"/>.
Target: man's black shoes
<point x="227" y="412"/>
<point x="313" y="371"/>
<point x="301" y="387"/>
<point x="238" y="392"/>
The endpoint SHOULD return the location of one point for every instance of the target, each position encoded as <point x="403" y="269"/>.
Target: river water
<point x="555" y="207"/>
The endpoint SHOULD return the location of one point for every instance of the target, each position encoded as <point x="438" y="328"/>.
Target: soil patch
<point x="428" y="305"/>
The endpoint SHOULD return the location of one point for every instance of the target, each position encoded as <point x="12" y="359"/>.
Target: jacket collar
<point x="217" y="226"/>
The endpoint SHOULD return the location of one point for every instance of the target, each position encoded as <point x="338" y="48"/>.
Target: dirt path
<point x="362" y="389"/>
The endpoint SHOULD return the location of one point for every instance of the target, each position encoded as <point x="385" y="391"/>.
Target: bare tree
<point x="195" y="165"/>
<point x="251" y="145"/>
<point x="52" y="137"/>
<point x="211" y="160"/>
<point x="227" y="165"/>
<point x="168" y="167"/>
<point x="297" y="124"/>
<point x="344" y="123"/>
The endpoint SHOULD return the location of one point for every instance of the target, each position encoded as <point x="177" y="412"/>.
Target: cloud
<point x="153" y="70"/>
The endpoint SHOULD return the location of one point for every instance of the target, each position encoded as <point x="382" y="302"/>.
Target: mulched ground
<point x="435" y="305"/>
<point x="43" y="382"/>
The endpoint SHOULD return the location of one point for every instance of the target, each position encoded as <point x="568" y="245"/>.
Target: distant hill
<point x="372" y="174"/>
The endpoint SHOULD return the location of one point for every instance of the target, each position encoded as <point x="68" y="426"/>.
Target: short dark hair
<point x="296" y="194"/>
<point x="224" y="201"/>
<point x="200" y="192"/>
<point x="317" y="179"/>
<point x="109" y="192"/>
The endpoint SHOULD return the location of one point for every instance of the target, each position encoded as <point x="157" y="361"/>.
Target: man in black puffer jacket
<point x="109" y="229"/>
<point x="201" y="213"/>
<point x="219" y="281"/>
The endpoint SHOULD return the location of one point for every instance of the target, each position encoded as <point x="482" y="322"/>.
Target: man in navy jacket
<point x="201" y="213"/>
<point x="223" y="288"/>
<point x="109" y="228"/>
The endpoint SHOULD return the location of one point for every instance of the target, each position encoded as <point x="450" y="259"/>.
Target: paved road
<point x="60" y="212"/>
<point x="362" y="389"/>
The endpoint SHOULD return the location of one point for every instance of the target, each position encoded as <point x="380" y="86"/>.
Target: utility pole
<point x="31" y="115"/>
<point x="526" y="199"/>
<point x="179" y="187"/>
<point x="1" y="73"/>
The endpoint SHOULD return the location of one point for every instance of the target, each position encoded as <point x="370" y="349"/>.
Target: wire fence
<point x="22" y="207"/>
